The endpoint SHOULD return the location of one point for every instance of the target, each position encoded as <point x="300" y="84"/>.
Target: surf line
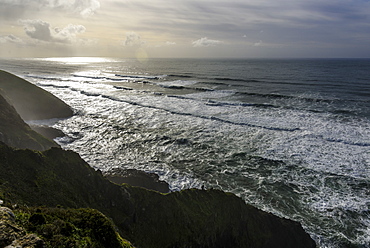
<point x="213" y="118"/>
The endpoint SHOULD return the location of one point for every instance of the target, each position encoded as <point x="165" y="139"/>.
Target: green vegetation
<point x="75" y="228"/>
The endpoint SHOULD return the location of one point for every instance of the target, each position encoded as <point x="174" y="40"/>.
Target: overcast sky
<point x="185" y="28"/>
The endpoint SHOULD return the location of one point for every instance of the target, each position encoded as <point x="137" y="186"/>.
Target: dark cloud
<point x="37" y="29"/>
<point x="11" y="39"/>
<point x="43" y="31"/>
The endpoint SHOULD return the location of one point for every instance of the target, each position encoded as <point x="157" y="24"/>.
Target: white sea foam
<point x="303" y="156"/>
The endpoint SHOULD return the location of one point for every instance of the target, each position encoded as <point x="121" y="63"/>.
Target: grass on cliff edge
<point x="61" y="228"/>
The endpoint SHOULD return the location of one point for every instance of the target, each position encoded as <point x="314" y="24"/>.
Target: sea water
<point x="289" y="136"/>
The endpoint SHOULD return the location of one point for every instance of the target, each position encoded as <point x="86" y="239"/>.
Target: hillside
<point x="189" y="218"/>
<point x="15" y="132"/>
<point x="30" y="101"/>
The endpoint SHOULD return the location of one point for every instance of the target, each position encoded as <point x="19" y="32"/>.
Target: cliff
<point x="30" y="101"/>
<point x="69" y="190"/>
<point x="15" y="132"/>
<point x="189" y="218"/>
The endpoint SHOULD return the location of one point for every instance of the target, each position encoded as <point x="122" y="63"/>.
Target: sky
<point x="185" y="28"/>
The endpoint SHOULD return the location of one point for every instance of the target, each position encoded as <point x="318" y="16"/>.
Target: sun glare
<point x="77" y="60"/>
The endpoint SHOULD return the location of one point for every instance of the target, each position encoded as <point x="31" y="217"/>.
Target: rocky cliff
<point x="30" y="101"/>
<point x="189" y="218"/>
<point x="15" y="132"/>
<point x="62" y="183"/>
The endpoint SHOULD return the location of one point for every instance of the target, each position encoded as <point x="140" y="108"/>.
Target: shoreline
<point x="131" y="177"/>
<point x="202" y="218"/>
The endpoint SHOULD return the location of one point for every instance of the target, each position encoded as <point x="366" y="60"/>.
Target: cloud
<point x="133" y="39"/>
<point x="11" y="39"/>
<point x="170" y="43"/>
<point x="69" y="33"/>
<point x="258" y="43"/>
<point x="205" y="42"/>
<point x="307" y="25"/>
<point x="37" y="29"/>
<point x="85" y="8"/>
<point x="43" y="31"/>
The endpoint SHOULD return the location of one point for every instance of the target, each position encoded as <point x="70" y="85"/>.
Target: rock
<point x="9" y="231"/>
<point x="48" y="132"/>
<point x="27" y="241"/>
<point x="12" y="235"/>
<point x="138" y="178"/>
<point x="189" y="218"/>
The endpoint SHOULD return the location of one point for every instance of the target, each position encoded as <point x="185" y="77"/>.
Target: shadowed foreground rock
<point x="189" y="218"/>
<point x="12" y="235"/>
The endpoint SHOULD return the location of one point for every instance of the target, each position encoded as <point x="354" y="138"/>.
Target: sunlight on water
<point x="77" y="60"/>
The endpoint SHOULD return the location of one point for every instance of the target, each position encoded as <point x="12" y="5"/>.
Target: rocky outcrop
<point x="189" y="218"/>
<point x="30" y="101"/>
<point x="13" y="235"/>
<point x="138" y="178"/>
<point x="15" y="132"/>
<point x="58" y="227"/>
<point x="47" y="132"/>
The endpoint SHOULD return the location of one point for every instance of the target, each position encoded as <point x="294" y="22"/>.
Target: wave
<point x="53" y="85"/>
<point x="236" y="80"/>
<point x="352" y="143"/>
<point x="140" y="76"/>
<point x="207" y="102"/>
<point x="179" y="76"/>
<point x="46" y="78"/>
<point x="213" y="118"/>
<point x="122" y="88"/>
<point x="287" y="105"/>
<point x="144" y="80"/>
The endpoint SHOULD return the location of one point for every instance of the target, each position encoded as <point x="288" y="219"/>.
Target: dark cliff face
<point x="30" y="101"/>
<point x="189" y="218"/>
<point x="15" y="132"/>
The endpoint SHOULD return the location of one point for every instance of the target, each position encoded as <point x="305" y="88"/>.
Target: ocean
<point x="289" y="136"/>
